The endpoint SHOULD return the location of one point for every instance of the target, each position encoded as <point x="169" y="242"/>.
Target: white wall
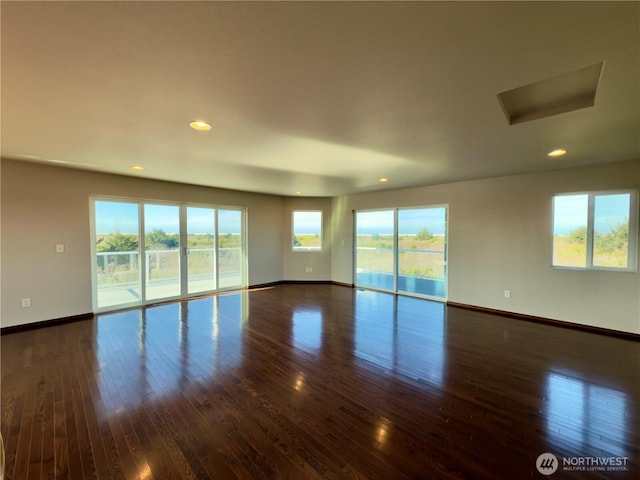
<point x="43" y="206"/>
<point x="500" y="238"/>
<point x="295" y="263"/>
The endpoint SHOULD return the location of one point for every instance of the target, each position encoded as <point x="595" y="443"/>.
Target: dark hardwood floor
<point x="315" y="382"/>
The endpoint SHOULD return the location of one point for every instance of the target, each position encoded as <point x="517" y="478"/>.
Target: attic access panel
<point x="563" y="93"/>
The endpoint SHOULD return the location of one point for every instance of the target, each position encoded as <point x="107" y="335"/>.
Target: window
<point x="117" y="272"/>
<point x="595" y="230"/>
<point x="402" y="250"/>
<point x="307" y="231"/>
<point x="144" y="252"/>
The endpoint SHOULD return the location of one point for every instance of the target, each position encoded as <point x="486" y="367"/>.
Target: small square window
<point x="307" y="231"/>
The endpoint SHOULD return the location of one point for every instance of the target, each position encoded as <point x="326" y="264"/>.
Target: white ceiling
<point x="321" y="98"/>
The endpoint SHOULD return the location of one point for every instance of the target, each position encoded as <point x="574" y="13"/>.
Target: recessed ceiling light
<point x="200" y="125"/>
<point x="137" y="168"/>
<point x="298" y="193"/>
<point x="557" y="152"/>
<point x="383" y="180"/>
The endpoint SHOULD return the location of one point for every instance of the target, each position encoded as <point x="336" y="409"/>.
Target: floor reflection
<point x="361" y="384"/>
<point x="307" y="329"/>
<point x="403" y="334"/>
<point x="162" y="346"/>
<point x="584" y="417"/>
<point x="156" y="350"/>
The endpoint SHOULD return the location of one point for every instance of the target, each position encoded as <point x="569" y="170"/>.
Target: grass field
<point x="568" y="253"/>
<point x="309" y="241"/>
<point x="420" y="257"/>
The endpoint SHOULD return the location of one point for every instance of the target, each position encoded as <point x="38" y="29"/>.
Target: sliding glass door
<point x="402" y="250"/>
<point x="230" y="248"/>
<point x="162" y="251"/>
<point x="375" y="249"/>
<point x="201" y="249"/>
<point x="116" y="260"/>
<point x="422" y="251"/>
<point x="144" y="252"/>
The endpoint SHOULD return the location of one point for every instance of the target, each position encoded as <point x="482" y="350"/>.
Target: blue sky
<point x="410" y="221"/>
<point x="116" y="217"/>
<point x="570" y="212"/>
<point x="611" y="211"/>
<point x="307" y="222"/>
<point x="123" y="217"/>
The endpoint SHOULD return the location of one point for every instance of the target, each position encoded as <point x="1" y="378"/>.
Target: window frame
<point x="183" y="250"/>
<point x="632" y="242"/>
<point x="397" y="251"/>
<point x="296" y="249"/>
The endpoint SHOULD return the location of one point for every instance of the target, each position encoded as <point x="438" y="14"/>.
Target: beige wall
<point x="500" y="238"/>
<point x="43" y="206"/>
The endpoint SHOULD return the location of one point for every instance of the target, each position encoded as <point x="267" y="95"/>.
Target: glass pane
<point x="570" y="230"/>
<point x="162" y="251"/>
<point x="307" y="231"/>
<point x="201" y="259"/>
<point x="374" y="249"/>
<point x="230" y="248"/>
<point x="611" y="231"/>
<point x="117" y="254"/>
<point x="421" y="250"/>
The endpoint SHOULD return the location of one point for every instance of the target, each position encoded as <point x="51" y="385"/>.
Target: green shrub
<point x="424" y="234"/>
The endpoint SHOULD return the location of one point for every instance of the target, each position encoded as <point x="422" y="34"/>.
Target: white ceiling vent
<point x="564" y="93"/>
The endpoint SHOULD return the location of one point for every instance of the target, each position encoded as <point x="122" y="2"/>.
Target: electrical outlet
<point x="308" y="269"/>
<point x="60" y="248"/>
<point x="26" y="302"/>
<point x="507" y="294"/>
